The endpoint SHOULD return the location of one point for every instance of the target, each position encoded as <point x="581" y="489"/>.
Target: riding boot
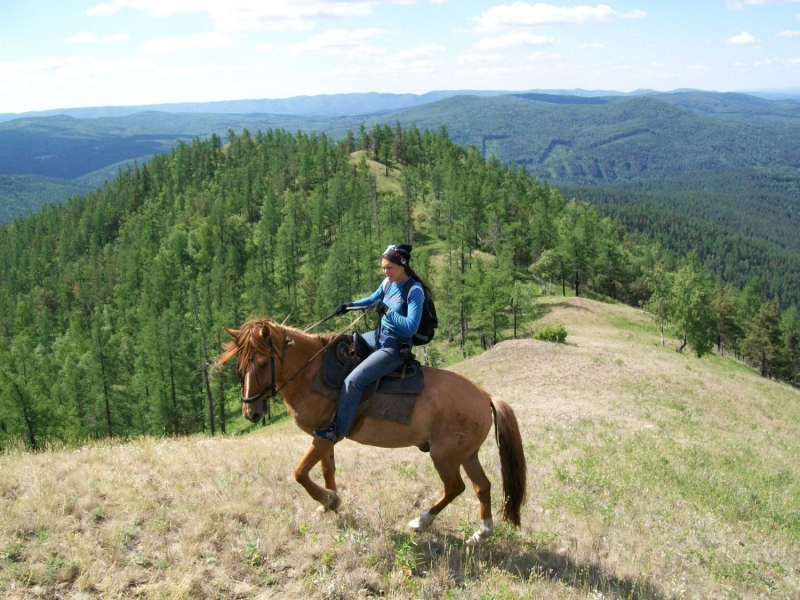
<point x="328" y="433"/>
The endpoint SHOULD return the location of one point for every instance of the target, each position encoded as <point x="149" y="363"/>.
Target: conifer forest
<point x="112" y="305"/>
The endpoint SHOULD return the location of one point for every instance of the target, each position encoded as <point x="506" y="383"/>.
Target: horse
<point x="452" y="417"/>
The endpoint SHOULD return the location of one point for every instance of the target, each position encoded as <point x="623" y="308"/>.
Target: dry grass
<point x="378" y="170"/>
<point x="652" y="475"/>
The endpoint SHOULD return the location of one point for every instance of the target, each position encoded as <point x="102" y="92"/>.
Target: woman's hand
<point x="379" y="307"/>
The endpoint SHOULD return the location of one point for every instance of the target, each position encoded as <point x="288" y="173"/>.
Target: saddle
<point x="391" y="397"/>
<point x="344" y="354"/>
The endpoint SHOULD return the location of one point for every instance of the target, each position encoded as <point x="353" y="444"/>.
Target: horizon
<point x="788" y="92"/>
<point x="124" y="53"/>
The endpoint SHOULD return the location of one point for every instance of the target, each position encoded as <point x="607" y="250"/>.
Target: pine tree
<point x="762" y="339"/>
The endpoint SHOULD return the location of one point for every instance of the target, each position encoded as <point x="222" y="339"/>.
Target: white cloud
<point x="481" y="57"/>
<point x="348" y="72"/>
<point x="29" y="67"/>
<point x="514" y="39"/>
<point x="742" y="38"/>
<point x="495" y="71"/>
<point x="342" y="42"/>
<point x="421" y="52"/>
<point x="775" y="62"/>
<point x="521" y="14"/>
<point x="210" y="39"/>
<point x="244" y="15"/>
<point x="743" y="3"/>
<point x="82" y="38"/>
<point x="539" y="56"/>
<point x="416" y="60"/>
<point x="87" y="38"/>
<point x="762" y="2"/>
<point x="50" y="83"/>
<point x="788" y="34"/>
<point x="589" y="46"/>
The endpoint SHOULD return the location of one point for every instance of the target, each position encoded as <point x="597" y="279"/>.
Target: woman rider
<point x="396" y="327"/>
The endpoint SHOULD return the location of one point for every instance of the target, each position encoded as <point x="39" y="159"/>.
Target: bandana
<point x="400" y="253"/>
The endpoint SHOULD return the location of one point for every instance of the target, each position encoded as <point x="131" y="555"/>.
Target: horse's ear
<point x="266" y="332"/>
<point x="234" y="333"/>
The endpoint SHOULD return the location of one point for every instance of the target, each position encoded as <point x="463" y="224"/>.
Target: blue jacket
<point x="401" y="322"/>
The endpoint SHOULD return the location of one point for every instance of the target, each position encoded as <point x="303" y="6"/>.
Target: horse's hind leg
<point x="483" y="489"/>
<point x="450" y="474"/>
<point x="320" y="450"/>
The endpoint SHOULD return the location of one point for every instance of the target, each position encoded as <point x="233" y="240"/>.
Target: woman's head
<point x="399" y="254"/>
<point x="394" y="263"/>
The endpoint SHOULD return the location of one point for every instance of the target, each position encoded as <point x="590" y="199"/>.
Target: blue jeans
<point x="382" y="361"/>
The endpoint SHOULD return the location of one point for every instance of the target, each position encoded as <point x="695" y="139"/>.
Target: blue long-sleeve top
<point x="401" y="322"/>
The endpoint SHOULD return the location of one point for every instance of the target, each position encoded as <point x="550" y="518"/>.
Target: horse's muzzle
<point x="254" y="412"/>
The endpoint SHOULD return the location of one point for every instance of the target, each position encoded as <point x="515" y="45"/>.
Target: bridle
<point x="271" y="391"/>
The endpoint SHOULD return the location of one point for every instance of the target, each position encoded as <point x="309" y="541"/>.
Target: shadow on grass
<point x="527" y="562"/>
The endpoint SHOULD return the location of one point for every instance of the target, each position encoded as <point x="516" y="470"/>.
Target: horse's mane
<point x="248" y="339"/>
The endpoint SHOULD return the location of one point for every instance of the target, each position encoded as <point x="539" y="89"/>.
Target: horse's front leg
<point x="328" y="464"/>
<point x="319" y="450"/>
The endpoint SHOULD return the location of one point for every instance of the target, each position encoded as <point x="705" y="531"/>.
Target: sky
<point x="85" y="53"/>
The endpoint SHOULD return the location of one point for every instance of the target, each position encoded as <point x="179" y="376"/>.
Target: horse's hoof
<point x="421" y="523"/>
<point x="486" y="531"/>
<point x="330" y="503"/>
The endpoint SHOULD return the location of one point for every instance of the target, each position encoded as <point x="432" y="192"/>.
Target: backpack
<point x="429" y="321"/>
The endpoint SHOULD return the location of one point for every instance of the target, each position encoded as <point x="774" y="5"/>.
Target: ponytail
<point x="410" y="272"/>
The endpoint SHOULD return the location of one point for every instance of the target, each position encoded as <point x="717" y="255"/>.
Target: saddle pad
<point x="394" y="407"/>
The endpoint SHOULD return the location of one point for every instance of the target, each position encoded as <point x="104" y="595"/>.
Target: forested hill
<point x="112" y="306"/>
<point x="69" y="148"/>
<point x="739" y="222"/>
<point x="604" y="141"/>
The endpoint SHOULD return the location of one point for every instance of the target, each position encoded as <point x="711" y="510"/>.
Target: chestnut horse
<point x="451" y="414"/>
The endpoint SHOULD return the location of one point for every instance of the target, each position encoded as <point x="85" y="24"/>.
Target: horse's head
<point x="261" y="347"/>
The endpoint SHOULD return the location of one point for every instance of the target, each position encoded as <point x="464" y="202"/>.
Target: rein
<point x="271" y="389"/>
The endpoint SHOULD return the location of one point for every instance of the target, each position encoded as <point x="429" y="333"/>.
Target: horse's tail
<point x="512" y="460"/>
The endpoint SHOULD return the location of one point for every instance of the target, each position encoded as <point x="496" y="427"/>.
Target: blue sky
<point x="76" y="53"/>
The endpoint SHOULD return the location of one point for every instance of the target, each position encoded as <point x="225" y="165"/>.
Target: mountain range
<point x="323" y="104"/>
<point x="723" y="163"/>
<point x="581" y="138"/>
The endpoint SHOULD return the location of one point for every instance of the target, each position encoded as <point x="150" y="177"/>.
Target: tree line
<point x="112" y="305"/>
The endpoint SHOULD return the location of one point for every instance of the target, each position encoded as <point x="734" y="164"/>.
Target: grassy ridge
<point x="652" y="475"/>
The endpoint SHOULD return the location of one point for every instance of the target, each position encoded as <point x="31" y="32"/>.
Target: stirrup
<point x="328" y="434"/>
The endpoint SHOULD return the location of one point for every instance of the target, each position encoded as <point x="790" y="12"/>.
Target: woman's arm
<point x="364" y="302"/>
<point x="406" y="327"/>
